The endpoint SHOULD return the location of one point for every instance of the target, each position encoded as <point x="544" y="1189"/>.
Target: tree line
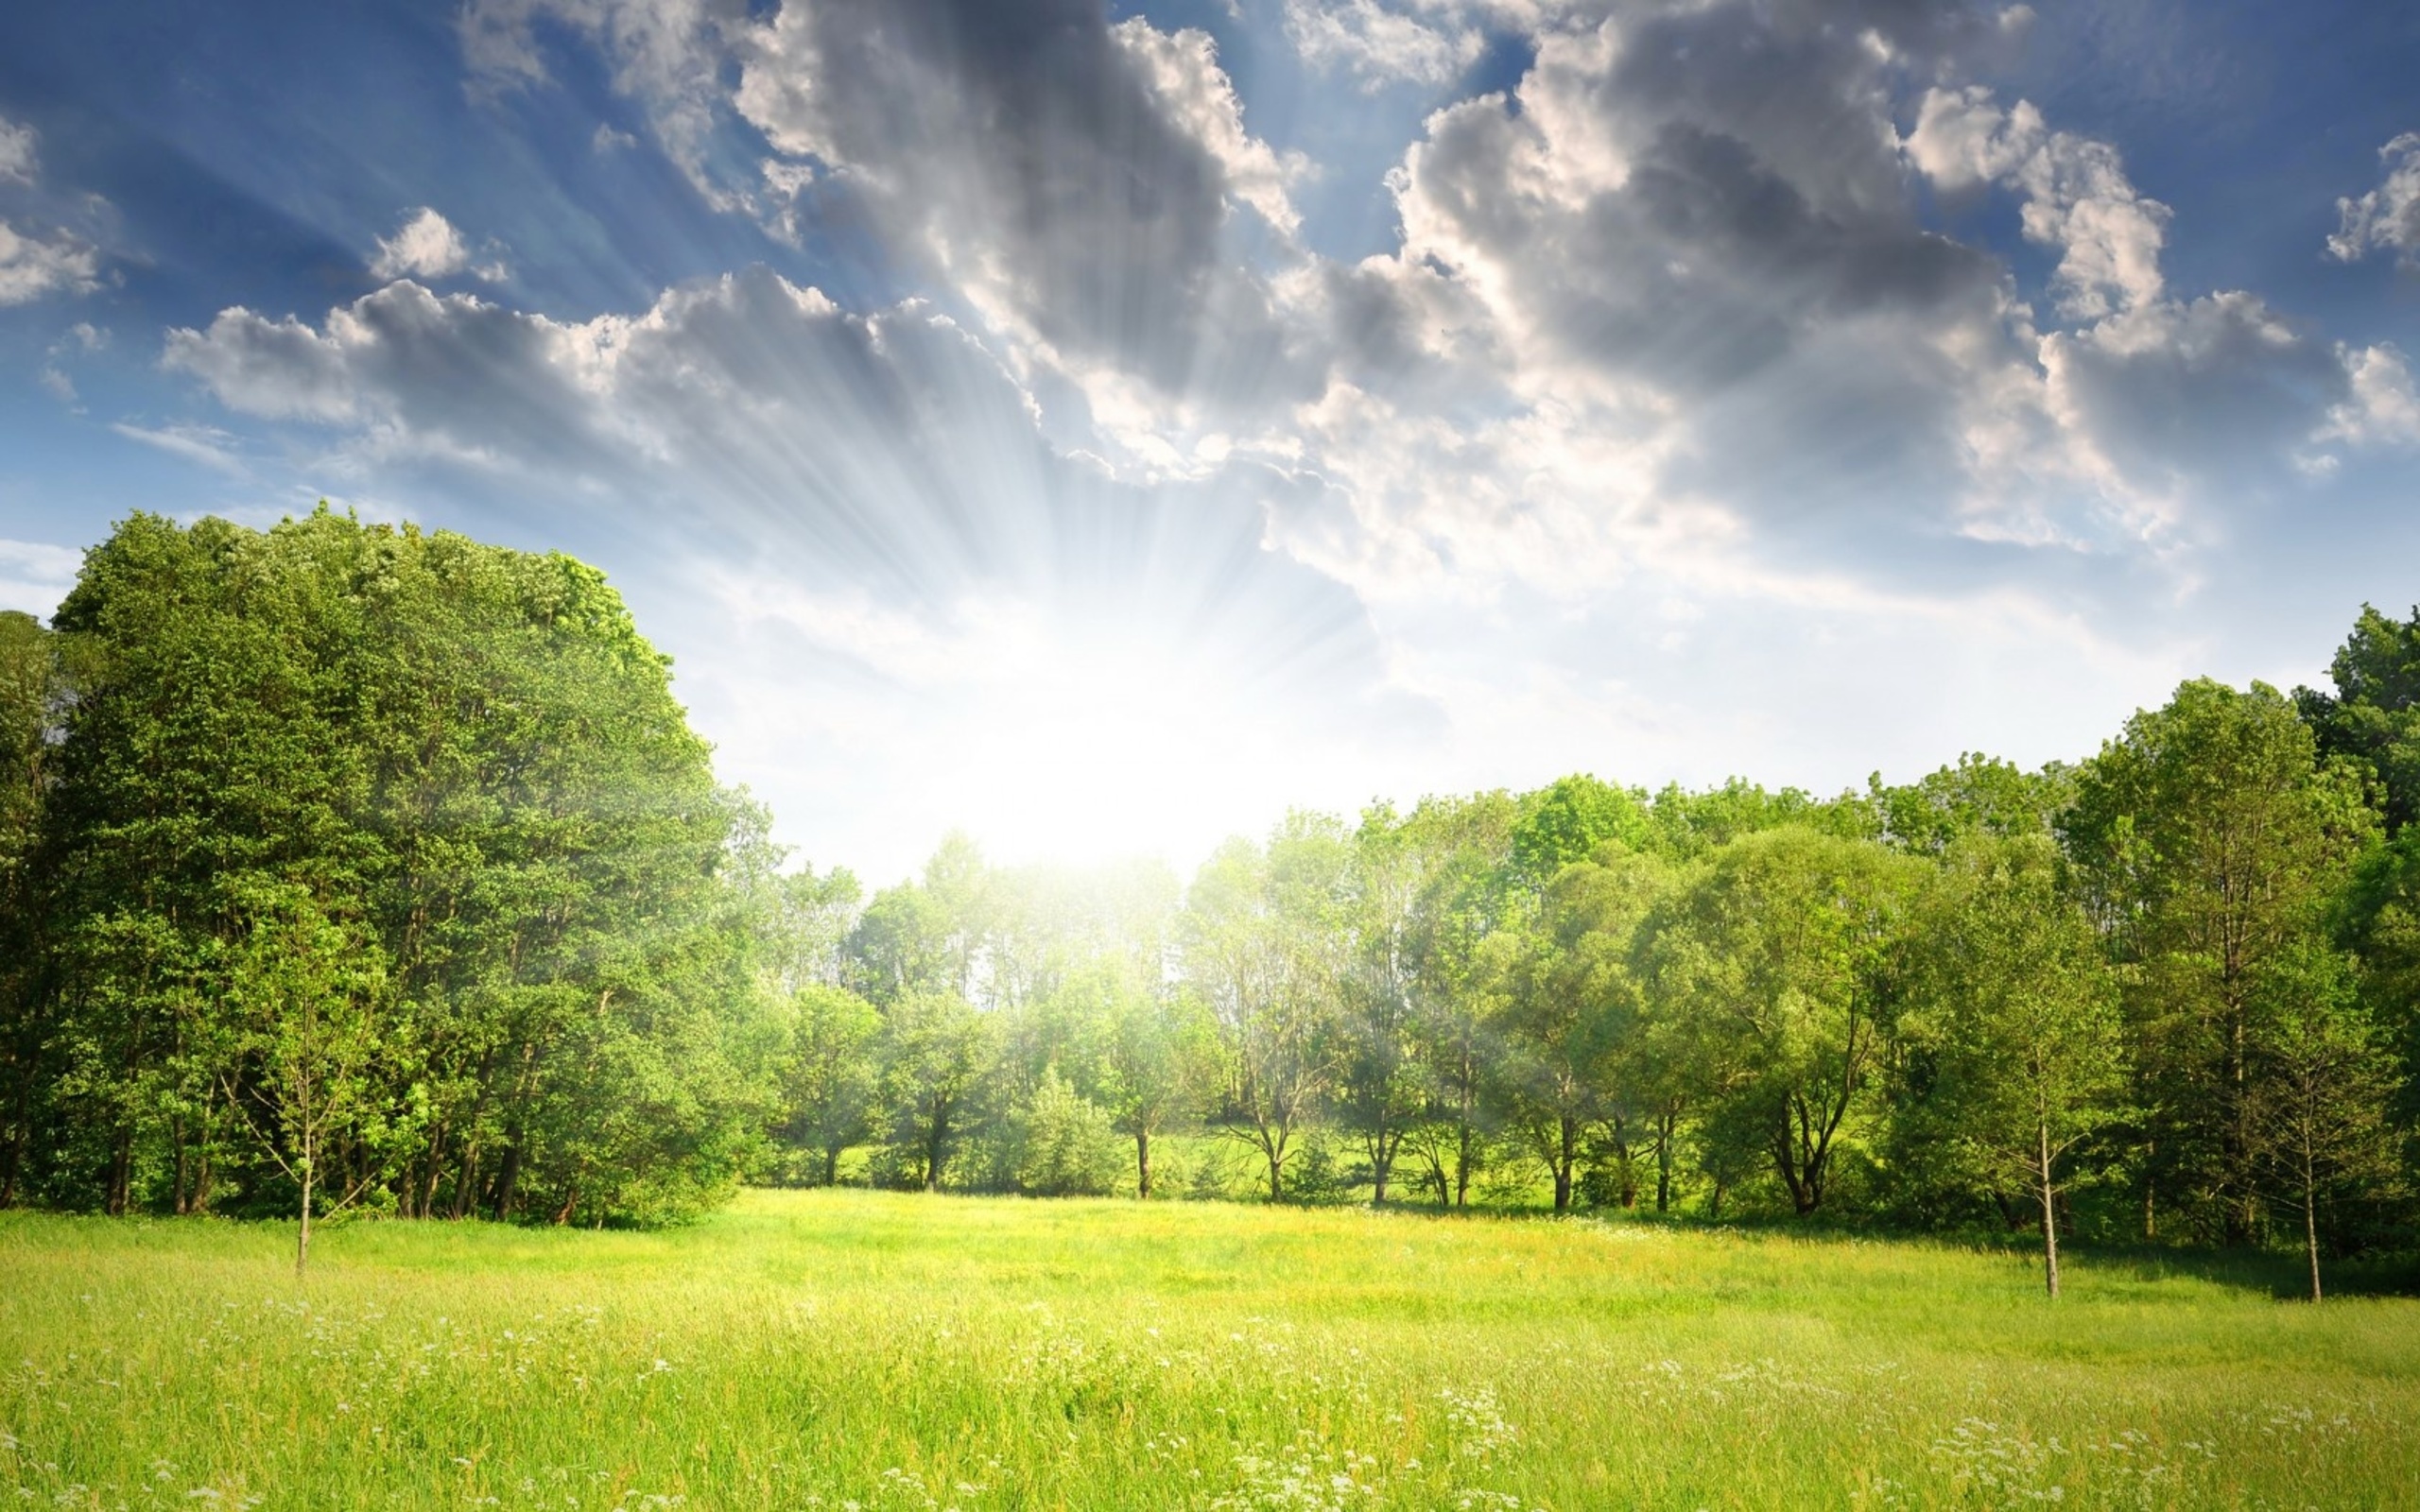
<point x="346" y="865"/>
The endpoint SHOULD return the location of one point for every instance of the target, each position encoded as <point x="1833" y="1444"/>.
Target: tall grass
<point x="845" y="1349"/>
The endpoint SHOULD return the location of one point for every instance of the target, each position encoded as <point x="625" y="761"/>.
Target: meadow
<point x="866" y="1351"/>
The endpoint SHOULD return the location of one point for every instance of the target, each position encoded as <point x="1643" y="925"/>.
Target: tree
<point x="1152" y="1060"/>
<point x="2374" y="715"/>
<point x="305" y="992"/>
<point x="1261" y="955"/>
<point x="937" y="1052"/>
<point x="1380" y="1091"/>
<point x="2319" y="1109"/>
<point x="2019" y="1013"/>
<point x="1582" y="1047"/>
<point x="34" y="689"/>
<point x="828" y="1085"/>
<point x="1779" y="953"/>
<point x="1468" y="894"/>
<point x="2210" y="841"/>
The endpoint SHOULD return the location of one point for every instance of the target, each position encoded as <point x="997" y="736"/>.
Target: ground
<point x="849" y="1349"/>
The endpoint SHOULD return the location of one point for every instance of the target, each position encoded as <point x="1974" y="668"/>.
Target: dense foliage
<point x="382" y="864"/>
<point x="367" y="865"/>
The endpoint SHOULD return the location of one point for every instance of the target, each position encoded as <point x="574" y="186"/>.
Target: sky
<point x="1100" y="428"/>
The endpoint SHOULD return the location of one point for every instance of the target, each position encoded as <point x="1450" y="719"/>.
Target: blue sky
<point x="1102" y="427"/>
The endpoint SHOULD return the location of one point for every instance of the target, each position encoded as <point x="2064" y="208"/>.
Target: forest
<point x="350" y="868"/>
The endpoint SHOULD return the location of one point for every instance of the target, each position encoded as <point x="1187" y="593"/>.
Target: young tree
<point x="2019" y="1014"/>
<point x="2320" y="1108"/>
<point x="307" y="992"/>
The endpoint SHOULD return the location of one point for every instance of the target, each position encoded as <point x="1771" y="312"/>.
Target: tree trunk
<point x="507" y="1179"/>
<point x="2310" y="1222"/>
<point x="1462" y="1160"/>
<point x="831" y="1165"/>
<point x="1143" y="1164"/>
<point x="1276" y="1174"/>
<point x="121" y="1173"/>
<point x="562" y="1214"/>
<point x="2050" y="1213"/>
<point x="303" y="1235"/>
<point x="1664" y="1164"/>
<point x="1566" y="1156"/>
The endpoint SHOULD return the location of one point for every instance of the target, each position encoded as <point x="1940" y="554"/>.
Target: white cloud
<point x="2382" y="409"/>
<point x="2388" y="215"/>
<point x="16" y="152"/>
<point x="32" y="267"/>
<point x="428" y="247"/>
<point x="1380" y="44"/>
<point x="34" y="576"/>
<point x="205" y="445"/>
<point x="2077" y="195"/>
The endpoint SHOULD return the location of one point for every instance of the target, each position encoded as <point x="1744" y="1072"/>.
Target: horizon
<point x="1102" y="429"/>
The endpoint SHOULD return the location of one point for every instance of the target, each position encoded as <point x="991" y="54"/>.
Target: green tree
<point x="1262" y="953"/>
<point x="2017" y="1016"/>
<point x="1780" y="955"/>
<point x="2374" y="715"/>
<point x="306" y="994"/>
<point x="829" y="1081"/>
<point x="1153" y="1061"/>
<point x="936" y="1054"/>
<point x="2211" y="841"/>
<point x="2320" y="1108"/>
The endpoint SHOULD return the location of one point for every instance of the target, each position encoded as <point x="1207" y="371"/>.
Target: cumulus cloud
<point x="1380" y="45"/>
<point x="428" y="245"/>
<point x="1673" y="358"/>
<point x="2077" y="195"/>
<point x="2388" y="216"/>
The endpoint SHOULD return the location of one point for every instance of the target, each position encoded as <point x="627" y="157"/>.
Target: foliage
<point x="352" y="865"/>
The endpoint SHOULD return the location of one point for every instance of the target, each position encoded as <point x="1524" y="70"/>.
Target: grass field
<point x="854" y="1349"/>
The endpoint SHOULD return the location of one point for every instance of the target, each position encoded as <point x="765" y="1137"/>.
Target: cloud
<point x="1379" y="45"/>
<point x="16" y="152"/>
<point x="427" y="246"/>
<point x="869" y="518"/>
<point x="34" y="576"/>
<point x="2388" y="215"/>
<point x="2381" y="409"/>
<point x="206" y="445"/>
<point x="32" y="267"/>
<point x="2077" y="195"/>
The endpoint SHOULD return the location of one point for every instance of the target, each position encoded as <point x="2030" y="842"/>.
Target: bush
<point x="1066" y="1147"/>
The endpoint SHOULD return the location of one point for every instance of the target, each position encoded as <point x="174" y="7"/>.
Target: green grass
<point x="827" y="1349"/>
